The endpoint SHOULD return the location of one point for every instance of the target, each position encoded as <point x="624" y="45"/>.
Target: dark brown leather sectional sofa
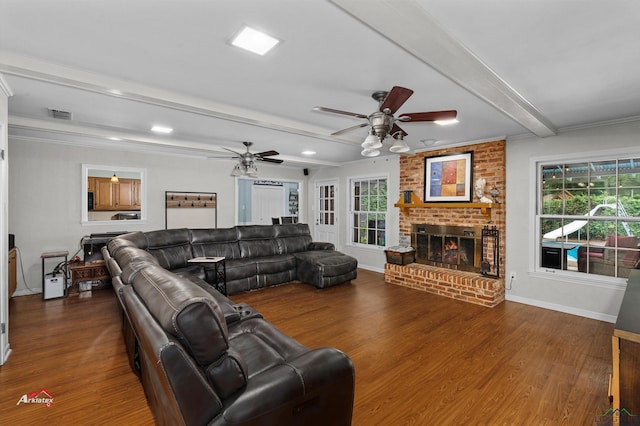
<point x="204" y="360"/>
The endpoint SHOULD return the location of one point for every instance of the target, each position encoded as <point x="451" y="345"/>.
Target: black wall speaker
<point x="306" y="172"/>
<point x="12" y="241"/>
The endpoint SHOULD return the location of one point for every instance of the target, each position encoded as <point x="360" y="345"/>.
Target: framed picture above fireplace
<point x="449" y="178"/>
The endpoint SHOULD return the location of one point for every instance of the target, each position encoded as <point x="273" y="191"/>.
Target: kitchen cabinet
<point x="121" y="195"/>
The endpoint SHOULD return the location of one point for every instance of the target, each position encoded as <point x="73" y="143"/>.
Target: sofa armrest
<point x="316" y="388"/>
<point x="321" y="246"/>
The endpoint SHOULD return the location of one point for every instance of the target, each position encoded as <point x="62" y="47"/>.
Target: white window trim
<point x="534" y="198"/>
<point x="349" y="223"/>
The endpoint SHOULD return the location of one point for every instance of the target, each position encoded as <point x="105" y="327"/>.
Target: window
<point x="369" y="211"/>
<point x="589" y="216"/>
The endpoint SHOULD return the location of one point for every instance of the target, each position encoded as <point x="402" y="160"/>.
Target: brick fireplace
<point x="439" y="268"/>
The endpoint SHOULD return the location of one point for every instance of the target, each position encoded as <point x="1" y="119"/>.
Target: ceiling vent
<point x="59" y="114"/>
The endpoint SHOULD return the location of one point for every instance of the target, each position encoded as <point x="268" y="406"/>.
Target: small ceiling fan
<point x="382" y="123"/>
<point x="246" y="160"/>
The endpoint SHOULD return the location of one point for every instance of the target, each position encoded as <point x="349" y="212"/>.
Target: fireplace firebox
<point x="447" y="246"/>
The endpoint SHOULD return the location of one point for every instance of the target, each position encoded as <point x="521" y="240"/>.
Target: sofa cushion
<point x="274" y="264"/>
<point x="622" y="242"/>
<point x="215" y="242"/>
<point x="257" y="241"/>
<point x="625" y="242"/>
<point x="293" y="238"/>
<point x="631" y="258"/>
<point x="236" y="269"/>
<point x="325" y="268"/>
<point x="172" y="247"/>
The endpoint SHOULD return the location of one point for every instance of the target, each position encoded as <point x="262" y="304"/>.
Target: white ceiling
<point x="509" y="67"/>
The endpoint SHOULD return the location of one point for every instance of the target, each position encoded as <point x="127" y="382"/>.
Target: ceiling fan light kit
<point x="246" y="165"/>
<point x="399" y="146"/>
<point x="382" y="123"/>
<point x="370" y="152"/>
<point x="372" y="141"/>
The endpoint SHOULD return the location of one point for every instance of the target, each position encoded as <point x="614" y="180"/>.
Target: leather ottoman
<point x="325" y="268"/>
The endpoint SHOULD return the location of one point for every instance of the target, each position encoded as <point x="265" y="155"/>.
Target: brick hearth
<point x="488" y="162"/>
<point x="466" y="286"/>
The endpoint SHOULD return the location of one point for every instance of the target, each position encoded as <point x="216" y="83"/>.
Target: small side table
<point x="91" y="271"/>
<point x="51" y="255"/>
<point x="219" y="271"/>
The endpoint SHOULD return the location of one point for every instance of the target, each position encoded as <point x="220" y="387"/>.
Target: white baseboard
<point x="26" y="292"/>
<point x="7" y="352"/>
<point x="562" y="308"/>
<point x="371" y="268"/>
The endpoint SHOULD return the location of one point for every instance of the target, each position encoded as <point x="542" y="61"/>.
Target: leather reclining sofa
<point x="204" y="360"/>
<point x="256" y="256"/>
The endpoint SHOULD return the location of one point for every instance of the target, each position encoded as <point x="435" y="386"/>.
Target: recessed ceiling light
<point x="446" y="122"/>
<point x="254" y="41"/>
<point x="161" y="129"/>
<point x="308" y="152"/>
<point x="113" y="138"/>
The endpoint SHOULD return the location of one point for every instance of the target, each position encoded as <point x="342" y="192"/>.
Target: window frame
<point x="351" y="203"/>
<point x="536" y="217"/>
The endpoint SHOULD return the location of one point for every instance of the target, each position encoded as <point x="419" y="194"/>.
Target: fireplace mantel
<point x="416" y="202"/>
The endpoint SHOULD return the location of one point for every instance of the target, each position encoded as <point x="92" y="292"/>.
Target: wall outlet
<point x="512" y="276"/>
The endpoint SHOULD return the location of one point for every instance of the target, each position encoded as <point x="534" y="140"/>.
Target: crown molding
<point x="12" y="64"/>
<point x="102" y="137"/>
<point x="4" y="86"/>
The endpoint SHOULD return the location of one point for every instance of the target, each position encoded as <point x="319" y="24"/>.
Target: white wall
<point x="45" y="194"/>
<point x="368" y="258"/>
<point x="587" y="298"/>
<point x="4" y="222"/>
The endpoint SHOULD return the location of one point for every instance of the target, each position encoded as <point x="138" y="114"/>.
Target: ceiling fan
<point x="382" y="123"/>
<point x="246" y="160"/>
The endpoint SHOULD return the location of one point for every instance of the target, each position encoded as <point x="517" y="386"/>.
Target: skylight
<point x="254" y="41"/>
<point x="161" y="129"/>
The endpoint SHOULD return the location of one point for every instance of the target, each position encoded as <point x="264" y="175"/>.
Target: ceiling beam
<point x="34" y="69"/>
<point x="408" y="25"/>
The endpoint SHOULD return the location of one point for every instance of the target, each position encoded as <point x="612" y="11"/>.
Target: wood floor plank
<point x="419" y="358"/>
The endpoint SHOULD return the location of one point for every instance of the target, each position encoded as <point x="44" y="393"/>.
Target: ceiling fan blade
<point x="348" y="129"/>
<point x="395" y="129"/>
<point x="230" y="150"/>
<point x="396" y="97"/>
<point x="269" y="160"/>
<point x="337" y="111"/>
<point x="429" y="116"/>
<point x="267" y="153"/>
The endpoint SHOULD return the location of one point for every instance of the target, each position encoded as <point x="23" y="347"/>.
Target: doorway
<point x="267" y="202"/>
<point x="326" y="207"/>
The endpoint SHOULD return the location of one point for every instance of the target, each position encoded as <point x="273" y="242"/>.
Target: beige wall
<point x="4" y="289"/>
<point x="45" y="189"/>
<point x="576" y="294"/>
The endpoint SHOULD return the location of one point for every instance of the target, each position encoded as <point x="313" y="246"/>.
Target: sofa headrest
<point x="185" y="311"/>
<point x="130" y="259"/>
<point x="167" y="238"/>
<point x="133" y="239"/>
<point x="292" y="230"/>
<point x="256" y="232"/>
<point x="207" y="236"/>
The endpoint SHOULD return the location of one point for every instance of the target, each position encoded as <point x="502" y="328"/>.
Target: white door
<point x="266" y="202"/>
<point x="326" y="207"/>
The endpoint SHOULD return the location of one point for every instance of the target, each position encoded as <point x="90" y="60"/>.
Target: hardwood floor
<point x="72" y="348"/>
<point x="419" y="358"/>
